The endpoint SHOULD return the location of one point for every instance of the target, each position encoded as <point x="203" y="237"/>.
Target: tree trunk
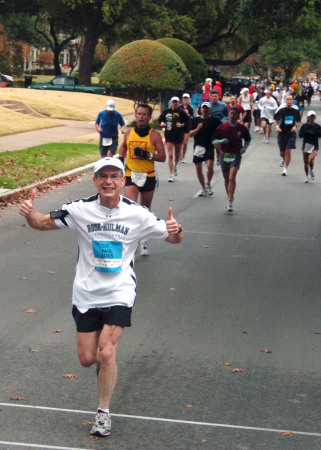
<point x="86" y="57"/>
<point x="56" y="61"/>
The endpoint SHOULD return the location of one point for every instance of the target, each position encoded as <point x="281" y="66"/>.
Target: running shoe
<point x="210" y="191"/>
<point x="183" y="159"/>
<point x="102" y="426"/>
<point x="171" y="178"/>
<point x="306" y="180"/>
<point x="267" y="140"/>
<point x="175" y="171"/>
<point x="218" y="162"/>
<point x="285" y="172"/>
<point x="264" y="139"/>
<point x="229" y="207"/>
<point x="144" y="248"/>
<point x="311" y="174"/>
<point x="202" y="193"/>
<point x="282" y="162"/>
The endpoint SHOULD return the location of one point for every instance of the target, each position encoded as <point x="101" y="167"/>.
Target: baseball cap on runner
<point x="207" y="104"/>
<point x="174" y="99"/>
<point x="186" y="95"/>
<point x="109" y="162"/>
<point x="311" y="113"/>
<point x="110" y="105"/>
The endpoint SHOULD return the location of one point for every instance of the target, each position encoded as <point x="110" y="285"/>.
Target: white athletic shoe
<point x="210" y="191"/>
<point x="183" y="159"/>
<point x="202" y="193"/>
<point x="264" y="139"/>
<point x="171" y="178"/>
<point x="144" y="248"/>
<point x="311" y="174"/>
<point x="285" y="172"/>
<point x="102" y="426"/>
<point x="229" y="207"/>
<point x="282" y="162"/>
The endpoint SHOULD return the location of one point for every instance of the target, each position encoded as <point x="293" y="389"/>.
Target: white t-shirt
<point x="268" y="106"/>
<point x="107" y="240"/>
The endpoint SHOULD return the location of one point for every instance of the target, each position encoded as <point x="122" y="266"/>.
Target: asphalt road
<point x="238" y="284"/>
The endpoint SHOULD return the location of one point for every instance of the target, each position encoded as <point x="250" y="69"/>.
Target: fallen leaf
<point x="287" y="433"/>
<point x="205" y="246"/>
<point x="317" y="332"/>
<point x="23" y="278"/>
<point x="23" y="225"/>
<point x="33" y="350"/>
<point x="170" y="199"/>
<point x="204" y="440"/>
<point x="189" y="406"/>
<point x="51" y="271"/>
<point x="17" y="398"/>
<point x="88" y="423"/>
<point x="245" y="332"/>
<point x="227" y="364"/>
<point x="237" y="370"/>
<point x="70" y="376"/>
<point x="30" y="310"/>
<point x="96" y="438"/>
<point x="296" y="371"/>
<point x="57" y="331"/>
<point x="172" y="289"/>
<point x="266" y="350"/>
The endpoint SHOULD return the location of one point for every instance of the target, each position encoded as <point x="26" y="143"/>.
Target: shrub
<point x="192" y="59"/>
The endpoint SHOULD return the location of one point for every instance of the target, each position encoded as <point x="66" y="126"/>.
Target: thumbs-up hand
<point x="27" y="205"/>
<point x="171" y="223"/>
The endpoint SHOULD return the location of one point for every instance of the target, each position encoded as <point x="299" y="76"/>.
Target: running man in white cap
<point x="173" y="120"/>
<point x="108" y="227"/>
<point x="107" y="126"/>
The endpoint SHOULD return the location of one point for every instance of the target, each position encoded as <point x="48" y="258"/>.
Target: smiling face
<point x="109" y="181"/>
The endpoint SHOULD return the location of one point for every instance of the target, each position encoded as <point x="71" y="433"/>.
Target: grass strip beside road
<point x="23" y="167"/>
<point x="12" y="122"/>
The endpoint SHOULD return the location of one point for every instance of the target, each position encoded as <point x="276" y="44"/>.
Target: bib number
<point x="138" y="178"/>
<point x="229" y="157"/>
<point x="308" y="148"/>
<point x="108" y="256"/>
<point x="199" y="151"/>
<point x="107" y="141"/>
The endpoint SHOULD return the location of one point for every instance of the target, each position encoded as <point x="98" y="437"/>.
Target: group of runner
<point x="110" y="226"/>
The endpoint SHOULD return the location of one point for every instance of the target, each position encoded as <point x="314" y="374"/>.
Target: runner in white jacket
<point x="267" y="105"/>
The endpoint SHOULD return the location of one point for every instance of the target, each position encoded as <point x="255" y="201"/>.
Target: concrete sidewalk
<point x="70" y="129"/>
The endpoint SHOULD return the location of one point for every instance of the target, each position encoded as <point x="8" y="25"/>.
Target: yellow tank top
<point x="136" y="163"/>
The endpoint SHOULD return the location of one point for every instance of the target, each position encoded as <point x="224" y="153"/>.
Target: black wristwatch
<point x="180" y="228"/>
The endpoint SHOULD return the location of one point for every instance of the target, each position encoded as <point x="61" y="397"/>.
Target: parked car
<point x="65" y="83"/>
<point x="6" y="80"/>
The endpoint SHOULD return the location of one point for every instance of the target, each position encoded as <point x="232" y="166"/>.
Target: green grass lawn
<point x="23" y="167"/>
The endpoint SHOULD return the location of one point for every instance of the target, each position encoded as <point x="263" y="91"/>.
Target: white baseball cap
<point x="186" y="95"/>
<point x="110" y="105"/>
<point x="174" y="99"/>
<point x="109" y="161"/>
<point x="207" y="104"/>
<point x="311" y="113"/>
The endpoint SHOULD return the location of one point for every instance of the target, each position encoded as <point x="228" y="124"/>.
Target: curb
<point x="79" y="170"/>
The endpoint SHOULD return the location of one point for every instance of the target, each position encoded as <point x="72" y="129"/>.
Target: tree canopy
<point x="145" y="68"/>
<point x="193" y="61"/>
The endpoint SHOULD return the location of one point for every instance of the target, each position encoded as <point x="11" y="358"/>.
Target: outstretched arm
<point x="175" y="232"/>
<point x="36" y="219"/>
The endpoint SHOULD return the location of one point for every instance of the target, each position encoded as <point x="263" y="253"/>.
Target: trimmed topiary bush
<point x="192" y="59"/>
<point x="145" y="68"/>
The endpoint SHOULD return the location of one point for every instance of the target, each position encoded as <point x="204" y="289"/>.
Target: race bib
<point x="199" y="151"/>
<point x="288" y="120"/>
<point x="308" y="148"/>
<point x="139" y="178"/>
<point x="229" y="157"/>
<point x="108" y="256"/>
<point x="107" y="141"/>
